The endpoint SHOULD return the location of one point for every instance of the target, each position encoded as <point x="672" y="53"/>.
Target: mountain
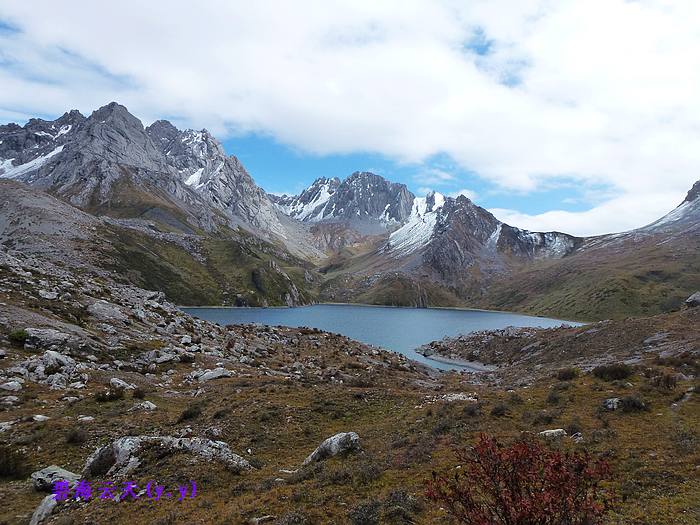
<point x="645" y="271"/>
<point x="109" y="164"/>
<point x="220" y="238"/>
<point x="366" y="202"/>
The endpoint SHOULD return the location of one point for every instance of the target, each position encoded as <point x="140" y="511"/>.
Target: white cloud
<point x="434" y="176"/>
<point x="469" y="194"/>
<point x="601" y="92"/>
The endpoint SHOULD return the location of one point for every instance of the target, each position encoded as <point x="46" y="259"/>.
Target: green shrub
<point x="366" y="513"/>
<point x="138" y="393"/>
<point x="191" y="412"/>
<point x="18" y="337"/>
<point x="613" y="372"/>
<point x="76" y="436"/>
<point x="499" y="410"/>
<point x="567" y="374"/>
<point x="632" y="404"/>
<point x="13" y="464"/>
<point x="110" y="394"/>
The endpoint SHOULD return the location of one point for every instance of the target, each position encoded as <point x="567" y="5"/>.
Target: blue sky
<point x="513" y="103"/>
<point x="284" y="169"/>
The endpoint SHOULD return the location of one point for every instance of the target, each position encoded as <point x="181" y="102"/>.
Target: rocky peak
<point x="694" y="193"/>
<point x="365" y="200"/>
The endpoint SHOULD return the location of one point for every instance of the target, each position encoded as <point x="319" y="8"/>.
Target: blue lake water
<point x="399" y="329"/>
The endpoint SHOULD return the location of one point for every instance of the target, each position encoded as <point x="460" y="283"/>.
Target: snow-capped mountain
<point x="368" y="202"/>
<point x="108" y="163"/>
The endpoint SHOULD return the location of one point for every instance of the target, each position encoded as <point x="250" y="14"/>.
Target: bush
<point x="553" y="398"/>
<point x="18" y="337"/>
<point x="13" y="464"/>
<point x="665" y="381"/>
<point x="400" y="507"/>
<point x="567" y="374"/>
<point x="110" y="394"/>
<point x="293" y="518"/>
<point x="613" y="372"/>
<point x="499" y="410"/>
<point x="632" y="404"/>
<point x="138" y="393"/>
<point x="525" y="483"/>
<point x="191" y="412"/>
<point x="366" y="513"/>
<point x="76" y="436"/>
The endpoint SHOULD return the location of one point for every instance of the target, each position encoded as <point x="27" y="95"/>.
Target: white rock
<point x="44" y="294"/>
<point x="556" y="433"/>
<point x="145" y="405"/>
<point x="341" y="443"/>
<point x="86" y="418"/>
<point x="40" y="418"/>
<point x="115" y="382"/>
<point x="612" y="403"/>
<point x="44" y="510"/>
<point x="216" y="373"/>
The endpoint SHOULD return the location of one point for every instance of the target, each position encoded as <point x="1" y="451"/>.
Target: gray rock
<point x="693" y="301"/>
<point x="51" y="296"/>
<point x="44" y="510"/>
<point x="106" y="311"/>
<point x="44" y="479"/>
<point x="216" y="373"/>
<point x="11" y="386"/>
<point x="144" y="406"/>
<point x="115" y="382"/>
<point x="342" y="443"/>
<point x="119" y="457"/>
<point x="46" y="338"/>
<point x="9" y="400"/>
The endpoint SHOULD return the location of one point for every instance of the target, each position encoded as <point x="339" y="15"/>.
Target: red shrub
<point x="522" y="484"/>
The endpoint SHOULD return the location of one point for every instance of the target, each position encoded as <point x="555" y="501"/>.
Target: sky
<point x="580" y="116"/>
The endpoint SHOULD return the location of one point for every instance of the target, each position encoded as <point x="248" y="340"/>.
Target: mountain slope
<point x="233" y="269"/>
<point x="645" y="271"/>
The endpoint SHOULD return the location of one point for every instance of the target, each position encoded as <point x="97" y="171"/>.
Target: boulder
<point x="117" y="383"/>
<point x="611" y="403"/>
<point x="44" y="510"/>
<point x="143" y="406"/>
<point x="11" y="386"/>
<point x="216" y="373"/>
<point x="46" y="338"/>
<point x="106" y="311"/>
<point x="693" y="301"/>
<point x="556" y="433"/>
<point x="45" y="294"/>
<point x="342" y="443"/>
<point x="43" y="479"/>
<point x="54" y="362"/>
<point x="119" y="457"/>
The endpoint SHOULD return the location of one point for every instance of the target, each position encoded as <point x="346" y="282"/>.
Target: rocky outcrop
<point x="119" y="457"/>
<point x="693" y="301"/>
<point x="343" y="443"/>
<point x="43" y="480"/>
<point x="44" y="510"/>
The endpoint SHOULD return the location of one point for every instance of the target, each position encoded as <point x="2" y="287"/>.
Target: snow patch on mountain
<point x="195" y="178"/>
<point x="418" y="230"/>
<point x="8" y="171"/>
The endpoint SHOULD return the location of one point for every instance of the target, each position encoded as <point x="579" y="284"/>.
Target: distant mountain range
<point x="360" y="239"/>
